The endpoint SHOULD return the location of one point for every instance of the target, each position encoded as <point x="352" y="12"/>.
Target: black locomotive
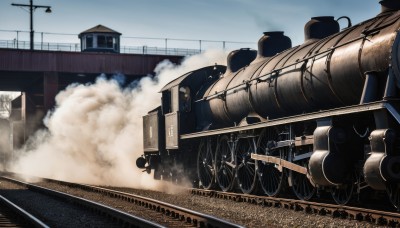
<point x="322" y="116"/>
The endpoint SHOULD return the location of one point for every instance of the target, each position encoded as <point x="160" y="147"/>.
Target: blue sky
<point x="223" y="20"/>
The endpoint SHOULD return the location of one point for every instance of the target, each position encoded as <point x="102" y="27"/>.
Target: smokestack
<point x="240" y="58"/>
<point x="389" y="5"/>
<point x="320" y="27"/>
<point x="272" y="43"/>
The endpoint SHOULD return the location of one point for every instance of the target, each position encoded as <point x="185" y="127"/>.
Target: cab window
<point x="185" y="99"/>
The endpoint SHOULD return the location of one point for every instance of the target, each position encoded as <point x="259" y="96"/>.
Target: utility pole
<point x="31" y="10"/>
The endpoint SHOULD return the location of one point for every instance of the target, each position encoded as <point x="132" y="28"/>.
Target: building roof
<point x="202" y="72"/>
<point x="99" y="29"/>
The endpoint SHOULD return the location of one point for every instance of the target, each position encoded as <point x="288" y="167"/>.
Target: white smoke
<point x="94" y="134"/>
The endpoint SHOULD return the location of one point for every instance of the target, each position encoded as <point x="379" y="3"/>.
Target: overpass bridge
<point x="40" y="75"/>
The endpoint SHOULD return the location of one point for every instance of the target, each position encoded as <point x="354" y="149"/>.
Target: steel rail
<point x="120" y="216"/>
<point x="361" y="214"/>
<point x="194" y="217"/>
<point x="200" y="219"/>
<point x="26" y="216"/>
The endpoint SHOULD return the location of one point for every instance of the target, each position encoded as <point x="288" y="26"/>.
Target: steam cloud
<point x="94" y="135"/>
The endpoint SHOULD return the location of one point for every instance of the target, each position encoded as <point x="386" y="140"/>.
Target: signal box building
<point x="100" y="39"/>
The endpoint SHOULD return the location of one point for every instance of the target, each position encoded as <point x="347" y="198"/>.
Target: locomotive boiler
<point x="323" y="115"/>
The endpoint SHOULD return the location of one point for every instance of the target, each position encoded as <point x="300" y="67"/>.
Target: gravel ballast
<point x="245" y="214"/>
<point x="52" y="211"/>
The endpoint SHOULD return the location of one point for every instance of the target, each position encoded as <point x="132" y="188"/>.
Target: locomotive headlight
<point x="141" y="162"/>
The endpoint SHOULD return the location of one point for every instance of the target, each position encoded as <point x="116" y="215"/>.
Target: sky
<point x="109" y="155"/>
<point x="217" y="20"/>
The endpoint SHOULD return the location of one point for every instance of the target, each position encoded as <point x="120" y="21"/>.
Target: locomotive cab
<point x="178" y="99"/>
<point x="163" y="125"/>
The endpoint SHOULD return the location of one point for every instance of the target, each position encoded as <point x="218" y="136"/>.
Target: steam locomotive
<point x="321" y="116"/>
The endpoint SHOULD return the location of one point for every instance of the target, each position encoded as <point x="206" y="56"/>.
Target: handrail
<point x="76" y="47"/>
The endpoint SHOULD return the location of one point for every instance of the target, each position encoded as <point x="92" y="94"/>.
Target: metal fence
<point x="74" y="47"/>
<point x="129" y="45"/>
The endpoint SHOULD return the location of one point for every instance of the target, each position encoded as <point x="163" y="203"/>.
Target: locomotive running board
<point x="280" y="162"/>
<point x="293" y="119"/>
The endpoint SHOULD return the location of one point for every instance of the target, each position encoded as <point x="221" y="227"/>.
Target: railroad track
<point x="378" y="217"/>
<point x="91" y="211"/>
<point x="180" y="216"/>
<point x="12" y="215"/>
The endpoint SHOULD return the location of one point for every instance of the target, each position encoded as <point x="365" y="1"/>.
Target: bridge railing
<point x="75" y="47"/>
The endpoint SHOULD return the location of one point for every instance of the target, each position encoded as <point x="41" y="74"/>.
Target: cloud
<point x="94" y="135"/>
